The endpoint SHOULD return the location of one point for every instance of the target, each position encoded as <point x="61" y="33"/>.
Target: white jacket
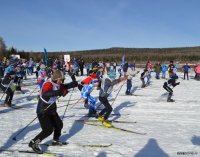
<point x="131" y="73"/>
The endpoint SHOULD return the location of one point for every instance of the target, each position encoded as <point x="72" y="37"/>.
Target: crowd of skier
<point x="103" y="76"/>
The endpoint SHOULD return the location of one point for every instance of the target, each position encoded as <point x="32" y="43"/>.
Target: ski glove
<point x="63" y="90"/>
<point x="71" y="85"/>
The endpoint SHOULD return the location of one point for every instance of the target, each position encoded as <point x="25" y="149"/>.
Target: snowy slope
<point x="171" y="128"/>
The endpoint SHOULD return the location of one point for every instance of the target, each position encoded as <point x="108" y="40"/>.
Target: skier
<point x="197" y="72"/>
<point x="42" y="75"/>
<point x="163" y="69"/>
<point x="157" y="70"/>
<point x="108" y="81"/>
<point x="149" y="67"/>
<point x="18" y="78"/>
<point x="47" y="110"/>
<point x="8" y="87"/>
<point x="2" y="68"/>
<point x="130" y="74"/>
<point x="171" y="82"/>
<point x="86" y="86"/>
<point x="186" y="68"/>
<point x="125" y="68"/>
<point x="171" y="68"/>
<point x="142" y="77"/>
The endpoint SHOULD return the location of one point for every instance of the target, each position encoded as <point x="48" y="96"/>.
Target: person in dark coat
<point x="186" y="68"/>
<point x="8" y="88"/>
<point x="171" y="82"/>
<point x="81" y="66"/>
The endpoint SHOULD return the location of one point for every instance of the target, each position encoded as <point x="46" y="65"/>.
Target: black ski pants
<point x="49" y="124"/>
<point x="9" y="94"/>
<point x="186" y="74"/>
<point x="107" y="110"/>
<point x="167" y="88"/>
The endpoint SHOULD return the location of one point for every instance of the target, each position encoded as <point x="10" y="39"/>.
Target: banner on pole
<point x="45" y="57"/>
<point x="67" y="60"/>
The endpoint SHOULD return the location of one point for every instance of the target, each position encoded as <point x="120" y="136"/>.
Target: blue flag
<point x="123" y="59"/>
<point x="45" y="57"/>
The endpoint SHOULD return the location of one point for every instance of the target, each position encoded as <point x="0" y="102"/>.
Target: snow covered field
<point x="172" y="129"/>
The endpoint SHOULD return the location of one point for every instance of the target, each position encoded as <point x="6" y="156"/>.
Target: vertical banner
<point x="67" y="60"/>
<point x="45" y="57"/>
<point x="123" y="59"/>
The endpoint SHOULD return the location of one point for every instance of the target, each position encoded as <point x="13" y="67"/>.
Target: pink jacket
<point x="197" y="69"/>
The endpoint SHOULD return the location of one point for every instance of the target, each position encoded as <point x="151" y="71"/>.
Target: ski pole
<point x="118" y="93"/>
<point x="31" y="92"/>
<point x="75" y="102"/>
<point x="6" y="89"/>
<point x="14" y="138"/>
<point x="67" y="105"/>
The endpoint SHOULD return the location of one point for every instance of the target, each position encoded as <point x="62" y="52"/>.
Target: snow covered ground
<point x="172" y="129"/>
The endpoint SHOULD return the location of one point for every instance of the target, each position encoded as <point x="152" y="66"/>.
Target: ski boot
<point x="170" y="100"/>
<point x="92" y="111"/>
<point x="100" y="118"/>
<point x="8" y="105"/>
<point x="128" y="93"/>
<point x="86" y="105"/>
<point x="58" y="143"/>
<point x="35" y="147"/>
<point x="106" y="124"/>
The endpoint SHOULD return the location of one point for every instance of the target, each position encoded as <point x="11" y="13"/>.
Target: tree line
<point x="140" y="55"/>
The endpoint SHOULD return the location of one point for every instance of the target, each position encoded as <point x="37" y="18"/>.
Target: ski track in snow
<point x="171" y="128"/>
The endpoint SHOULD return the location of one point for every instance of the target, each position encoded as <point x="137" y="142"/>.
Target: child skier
<point x="86" y="88"/>
<point x="171" y="82"/>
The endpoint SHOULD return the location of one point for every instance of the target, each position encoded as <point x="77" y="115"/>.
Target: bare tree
<point x="2" y="45"/>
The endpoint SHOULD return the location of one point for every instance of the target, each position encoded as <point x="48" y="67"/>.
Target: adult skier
<point x="47" y="110"/>
<point x="142" y="77"/>
<point x="163" y="69"/>
<point x="8" y="88"/>
<point x="171" y="82"/>
<point x="157" y="70"/>
<point x="108" y="81"/>
<point x="171" y="67"/>
<point x="186" y="69"/>
<point x="130" y="74"/>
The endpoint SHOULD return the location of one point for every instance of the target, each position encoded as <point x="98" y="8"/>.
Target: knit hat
<point x="42" y="66"/>
<point x="57" y="74"/>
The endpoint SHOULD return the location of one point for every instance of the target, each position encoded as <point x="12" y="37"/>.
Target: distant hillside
<point x="182" y="54"/>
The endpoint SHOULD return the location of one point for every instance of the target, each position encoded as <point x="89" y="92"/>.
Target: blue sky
<point x="65" y="25"/>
